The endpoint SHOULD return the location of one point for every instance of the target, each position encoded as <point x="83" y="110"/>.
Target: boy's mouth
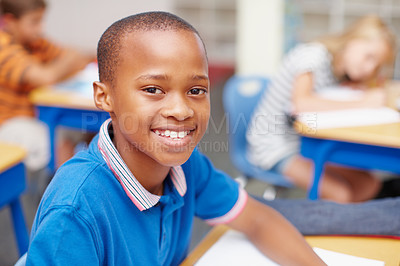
<point x="171" y="134"/>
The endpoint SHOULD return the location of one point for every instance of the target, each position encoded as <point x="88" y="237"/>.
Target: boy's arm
<point x="66" y="64"/>
<point x="274" y="235"/>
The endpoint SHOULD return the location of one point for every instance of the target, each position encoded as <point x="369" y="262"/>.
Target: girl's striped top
<point x="270" y="135"/>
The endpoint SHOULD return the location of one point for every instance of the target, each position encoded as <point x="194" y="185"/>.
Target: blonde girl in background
<point x="355" y="57"/>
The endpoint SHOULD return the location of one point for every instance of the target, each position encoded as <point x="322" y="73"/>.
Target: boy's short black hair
<point x="109" y="45"/>
<point x="19" y="8"/>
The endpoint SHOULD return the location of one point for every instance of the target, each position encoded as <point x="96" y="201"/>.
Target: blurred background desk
<point x="377" y="248"/>
<point x="374" y="147"/>
<point x="12" y="185"/>
<point x="65" y="108"/>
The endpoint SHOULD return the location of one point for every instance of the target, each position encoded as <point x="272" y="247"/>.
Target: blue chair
<point x="240" y="96"/>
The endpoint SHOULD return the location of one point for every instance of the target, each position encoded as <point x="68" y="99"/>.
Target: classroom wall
<point x="260" y="35"/>
<point x="80" y="23"/>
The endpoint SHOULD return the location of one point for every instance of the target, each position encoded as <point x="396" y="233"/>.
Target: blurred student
<point x="27" y="61"/>
<point x="354" y="57"/>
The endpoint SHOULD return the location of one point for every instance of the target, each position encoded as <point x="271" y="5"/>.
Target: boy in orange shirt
<point x="27" y="61"/>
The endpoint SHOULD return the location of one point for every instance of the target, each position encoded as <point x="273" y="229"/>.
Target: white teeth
<point x="175" y="135"/>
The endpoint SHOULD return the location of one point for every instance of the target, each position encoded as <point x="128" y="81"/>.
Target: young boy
<point x="28" y="61"/>
<point x="130" y="199"/>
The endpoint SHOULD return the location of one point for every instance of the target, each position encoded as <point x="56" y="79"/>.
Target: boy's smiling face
<point x="160" y="98"/>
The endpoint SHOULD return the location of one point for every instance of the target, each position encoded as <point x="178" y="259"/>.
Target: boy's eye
<point x="197" y="91"/>
<point x="153" y="90"/>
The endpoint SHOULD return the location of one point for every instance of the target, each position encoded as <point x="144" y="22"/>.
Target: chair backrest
<point x="240" y="97"/>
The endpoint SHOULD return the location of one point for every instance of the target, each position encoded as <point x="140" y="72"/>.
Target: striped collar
<point x="142" y="198"/>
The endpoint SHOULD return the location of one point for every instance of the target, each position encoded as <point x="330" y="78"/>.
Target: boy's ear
<point x="102" y="96"/>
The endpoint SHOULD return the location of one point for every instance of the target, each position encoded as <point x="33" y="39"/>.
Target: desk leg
<point x="50" y="117"/>
<point x="322" y="153"/>
<point x="53" y="151"/>
<point x="21" y="233"/>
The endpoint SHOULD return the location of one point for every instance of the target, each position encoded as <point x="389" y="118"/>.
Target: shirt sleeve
<point x="15" y="60"/>
<point x="219" y="199"/>
<point x="63" y="237"/>
<point x="308" y="58"/>
<point x="44" y="50"/>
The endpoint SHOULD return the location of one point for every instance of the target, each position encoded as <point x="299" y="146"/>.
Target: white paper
<point x="233" y="248"/>
<point x="332" y="258"/>
<point x="349" y="118"/>
<point x="341" y="93"/>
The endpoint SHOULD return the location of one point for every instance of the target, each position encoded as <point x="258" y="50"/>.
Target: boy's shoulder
<point x="5" y="39"/>
<point x="84" y="175"/>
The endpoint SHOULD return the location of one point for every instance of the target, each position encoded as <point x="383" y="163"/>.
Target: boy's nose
<point x="178" y="108"/>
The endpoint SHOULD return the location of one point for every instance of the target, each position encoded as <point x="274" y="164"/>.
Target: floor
<point x="214" y="144"/>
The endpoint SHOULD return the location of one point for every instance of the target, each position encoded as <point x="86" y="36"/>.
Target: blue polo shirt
<point x="95" y="211"/>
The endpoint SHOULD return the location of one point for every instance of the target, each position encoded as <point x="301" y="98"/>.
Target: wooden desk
<point x="377" y="248"/>
<point x="69" y="109"/>
<point x="384" y="249"/>
<point x="10" y="155"/>
<point x="386" y="135"/>
<point x="374" y="147"/>
<point x="12" y="184"/>
<point x="48" y="96"/>
<point x="367" y="147"/>
<point x="209" y="240"/>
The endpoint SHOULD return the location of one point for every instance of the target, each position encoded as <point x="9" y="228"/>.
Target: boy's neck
<point x="149" y="173"/>
<point x="150" y="177"/>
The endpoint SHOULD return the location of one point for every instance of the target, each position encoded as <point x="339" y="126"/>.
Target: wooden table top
<point x="10" y="155"/>
<point x="387" y="135"/>
<point x="49" y="96"/>
<point x="378" y="248"/>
